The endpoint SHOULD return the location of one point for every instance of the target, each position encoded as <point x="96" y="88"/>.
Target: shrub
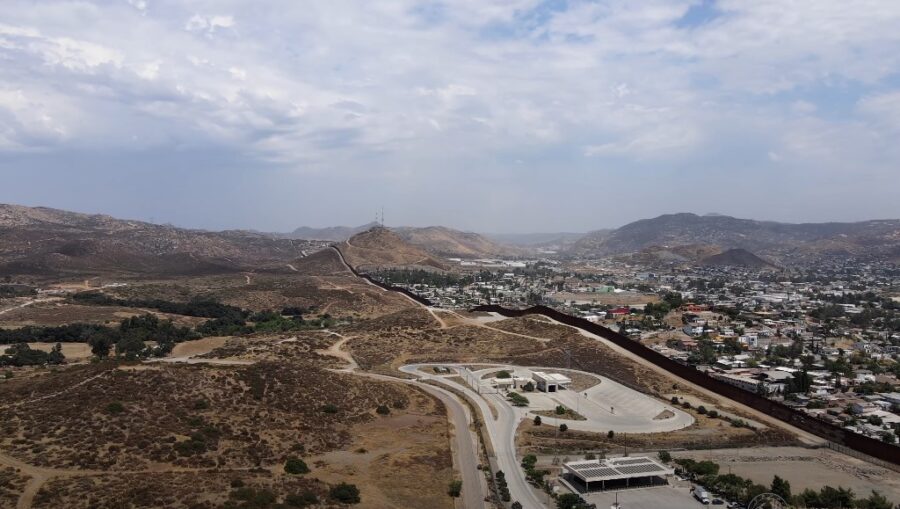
<point x="201" y="404"/>
<point x="516" y="505"/>
<point x="611" y="434"/>
<point x="537" y="420"/>
<point x="713" y="414"/>
<point x="503" y="374"/>
<point x="329" y="409"/>
<point x="674" y="400"/>
<point x="115" y="407"/>
<point x="382" y="410"/>
<point x="305" y="499"/>
<point x="528" y="387"/>
<point x="664" y="456"/>
<point x="455" y="488"/>
<point x="686" y="404"/>
<point x="560" y="410"/>
<point x="237" y="483"/>
<point x="701" y="410"/>
<point x="296" y="466"/>
<point x="563" y="428"/>
<point x="345" y="493"/>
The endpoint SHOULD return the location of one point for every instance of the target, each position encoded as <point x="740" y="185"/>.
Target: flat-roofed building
<point x="615" y="473"/>
<point x="550" y="382"/>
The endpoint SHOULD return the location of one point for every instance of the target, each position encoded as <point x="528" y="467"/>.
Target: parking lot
<point x="650" y="498"/>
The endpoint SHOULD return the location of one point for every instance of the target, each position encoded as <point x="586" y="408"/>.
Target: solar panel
<point x="639" y="469"/>
<point x="598" y="472"/>
<point x="631" y="461"/>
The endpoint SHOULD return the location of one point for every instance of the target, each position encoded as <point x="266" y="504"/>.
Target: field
<point x="803" y="468"/>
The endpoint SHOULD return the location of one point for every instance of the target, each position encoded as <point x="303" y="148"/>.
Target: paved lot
<point x="650" y="498"/>
<point x="606" y="406"/>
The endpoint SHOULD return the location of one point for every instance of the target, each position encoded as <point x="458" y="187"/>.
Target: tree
<point x="563" y="428"/>
<point x="875" y="501"/>
<point x="101" y="344"/>
<point x="781" y="487"/>
<point x="56" y="356"/>
<point x="345" y="493"/>
<point x="569" y="501"/>
<point x="382" y="410"/>
<point x="611" y="434"/>
<point x="537" y="420"/>
<point x="664" y="456"/>
<point x="503" y="374"/>
<point x="455" y="488"/>
<point x="296" y="466"/>
<point x="516" y="505"/>
<point x="528" y="387"/>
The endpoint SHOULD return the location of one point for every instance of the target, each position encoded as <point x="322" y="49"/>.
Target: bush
<point x="329" y="409"/>
<point x="455" y="488"/>
<point x="516" y="505"/>
<point x="503" y="374"/>
<point x="237" y="483"/>
<point x="674" y="400"/>
<point x="611" y="434"/>
<point x="304" y="499"/>
<point x="686" y="404"/>
<point x="528" y="387"/>
<point x="115" y="407"/>
<point x="345" y="493"/>
<point x="560" y="410"/>
<point x="701" y="410"/>
<point x="296" y="466"/>
<point x="382" y="410"/>
<point x="537" y="420"/>
<point x="201" y="404"/>
<point x="713" y="414"/>
<point x="517" y="399"/>
<point x="664" y="456"/>
<point x="563" y="428"/>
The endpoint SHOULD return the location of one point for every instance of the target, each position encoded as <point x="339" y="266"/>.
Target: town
<point x="823" y="338"/>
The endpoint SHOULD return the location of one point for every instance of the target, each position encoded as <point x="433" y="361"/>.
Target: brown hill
<point x="447" y="242"/>
<point x="382" y="248"/>
<point x="783" y="241"/>
<point x="43" y="241"/>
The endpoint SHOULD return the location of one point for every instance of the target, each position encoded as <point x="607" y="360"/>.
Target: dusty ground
<point x="74" y="352"/>
<point x="392" y="473"/>
<point x="803" y="468"/>
<point x="61" y="313"/>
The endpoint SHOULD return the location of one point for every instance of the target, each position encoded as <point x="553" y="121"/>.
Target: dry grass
<point x="11" y="484"/>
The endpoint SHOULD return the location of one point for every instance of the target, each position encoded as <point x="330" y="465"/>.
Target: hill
<point x="331" y="233"/>
<point x="877" y="238"/>
<point x="43" y="241"/>
<point x="737" y="258"/>
<point x="447" y="242"/>
<point x="380" y="247"/>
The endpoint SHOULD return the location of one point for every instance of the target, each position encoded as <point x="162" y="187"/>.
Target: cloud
<point x="499" y="87"/>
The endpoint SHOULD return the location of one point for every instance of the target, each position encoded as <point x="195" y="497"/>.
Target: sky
<point x="483" y="115"/>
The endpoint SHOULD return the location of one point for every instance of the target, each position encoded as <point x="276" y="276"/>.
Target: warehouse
<point x="615" y="473"/>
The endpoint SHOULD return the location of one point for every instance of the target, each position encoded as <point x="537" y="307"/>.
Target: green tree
<point x="875" y="501"/>
<point x="455" y="488"/>
<point x="345" y="493"/>
<point x="563" y="428"/>
<point x="296" y="466"/>
<point x="537" y="420"/>
<point x="664" y="456"/>
<point x="781" y="487"/>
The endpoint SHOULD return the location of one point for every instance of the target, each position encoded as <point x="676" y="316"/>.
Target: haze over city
<point x="486" y="116"/>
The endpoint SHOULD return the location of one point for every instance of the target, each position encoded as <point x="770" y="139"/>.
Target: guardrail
<point x="784" y="413"/>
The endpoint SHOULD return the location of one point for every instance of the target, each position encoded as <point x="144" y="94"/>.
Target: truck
<point x="701" y="495"/>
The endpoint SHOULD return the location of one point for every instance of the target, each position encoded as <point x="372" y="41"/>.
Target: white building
<point x="550" y="382"/>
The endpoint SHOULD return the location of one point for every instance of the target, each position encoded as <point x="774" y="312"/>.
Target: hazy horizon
<point x="523" y="116"/>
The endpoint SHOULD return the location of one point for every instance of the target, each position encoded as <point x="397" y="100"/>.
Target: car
<point x="717" y="501"/>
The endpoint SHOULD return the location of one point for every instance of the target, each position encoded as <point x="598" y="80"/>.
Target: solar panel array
<point x="617" y="467"/>
<point x="639" y="469"/>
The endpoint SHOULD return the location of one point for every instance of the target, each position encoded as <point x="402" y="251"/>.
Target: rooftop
<point x="617" y="468"/>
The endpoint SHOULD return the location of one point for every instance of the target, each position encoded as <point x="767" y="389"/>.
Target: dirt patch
<point x="74" y="352"/>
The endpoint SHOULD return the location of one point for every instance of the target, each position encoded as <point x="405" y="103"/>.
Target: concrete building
<point x="615" y="473"/>
<point x="550" y="382"/>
